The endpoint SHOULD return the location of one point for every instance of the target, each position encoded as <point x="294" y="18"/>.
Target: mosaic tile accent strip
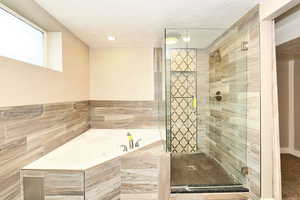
<point x="183" y="59"/>
<point x="183" y="90"/>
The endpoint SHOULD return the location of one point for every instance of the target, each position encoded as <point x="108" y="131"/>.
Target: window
<point x="20" y="39"/>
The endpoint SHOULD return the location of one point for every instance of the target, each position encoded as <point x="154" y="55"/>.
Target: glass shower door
<point x="206" y="109"/>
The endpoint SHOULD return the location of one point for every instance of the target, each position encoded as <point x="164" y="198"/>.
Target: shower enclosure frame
<point x="168" y="101"/>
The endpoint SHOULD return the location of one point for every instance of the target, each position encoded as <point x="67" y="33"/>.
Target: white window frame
<point x="10" y="11"/>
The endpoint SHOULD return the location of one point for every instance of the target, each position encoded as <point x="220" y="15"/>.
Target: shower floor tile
<point x="199" y="170"/>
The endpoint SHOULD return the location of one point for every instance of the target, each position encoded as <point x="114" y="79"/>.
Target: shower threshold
<point x="208" y="188"/>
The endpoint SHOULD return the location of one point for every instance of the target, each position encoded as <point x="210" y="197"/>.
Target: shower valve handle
<point x="218" y="96"/>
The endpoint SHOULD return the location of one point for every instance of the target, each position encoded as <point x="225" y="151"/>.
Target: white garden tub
<point x="93" y="147"/>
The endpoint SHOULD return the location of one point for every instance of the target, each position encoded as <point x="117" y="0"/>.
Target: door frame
<point x="270" y="165"/>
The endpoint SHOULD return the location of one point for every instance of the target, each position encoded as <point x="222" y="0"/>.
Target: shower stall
<point x="205" y="107"/>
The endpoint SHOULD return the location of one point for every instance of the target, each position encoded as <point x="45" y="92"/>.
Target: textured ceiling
<point x="140" y="23"/>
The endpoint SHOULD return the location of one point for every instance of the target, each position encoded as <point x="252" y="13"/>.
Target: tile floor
<point x="290" y="173"/>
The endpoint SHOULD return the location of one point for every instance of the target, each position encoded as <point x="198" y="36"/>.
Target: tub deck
<point x="112" y="175"/>
<point x="93" y="147"/>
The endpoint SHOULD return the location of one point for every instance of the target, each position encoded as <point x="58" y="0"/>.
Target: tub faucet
<point x="130" y="140"/>
<point x="125" y="149"/>
<point x="137" y="143"/>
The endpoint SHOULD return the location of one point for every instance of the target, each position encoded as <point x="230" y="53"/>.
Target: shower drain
<point x="191" y="168"/>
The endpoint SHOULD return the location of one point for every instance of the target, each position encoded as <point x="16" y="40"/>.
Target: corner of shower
<point x="205" y="111"/>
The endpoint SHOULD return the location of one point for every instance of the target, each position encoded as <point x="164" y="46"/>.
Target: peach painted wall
<point x="25" y="84"/>
<point x="121" y="74"/>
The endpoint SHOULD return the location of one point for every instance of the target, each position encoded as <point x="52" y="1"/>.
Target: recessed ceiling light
<point x="186" y="38"/>
<point x="171" y="40"/>
<point x="111" y="38"/>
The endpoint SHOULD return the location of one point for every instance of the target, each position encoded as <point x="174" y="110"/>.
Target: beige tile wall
<point x="57" y="184"/>
<point x="203" y="111"/>
<point x="123" y="114"/>
<point x="29" y="132"/>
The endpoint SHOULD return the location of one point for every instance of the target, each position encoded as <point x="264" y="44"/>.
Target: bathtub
<point x="93" y="147"/>
<point x="93" y="166"/>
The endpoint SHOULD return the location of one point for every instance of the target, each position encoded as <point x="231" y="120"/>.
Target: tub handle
<point x="125" y="149"/>
<point x="137" y="143"/>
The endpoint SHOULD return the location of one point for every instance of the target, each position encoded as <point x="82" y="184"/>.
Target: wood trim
<point x="268" y="48"/>
<point x="291" y="134"/>
<point x="266" y="59"/>
<point x="276" y="137"/>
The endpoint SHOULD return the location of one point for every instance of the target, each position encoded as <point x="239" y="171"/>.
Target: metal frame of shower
<point x="190" y="188"/>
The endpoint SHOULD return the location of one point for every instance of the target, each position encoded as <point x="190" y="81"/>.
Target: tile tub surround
<point x="29" y="132"/>
<point x="140" y="172"/>
<point x="134" y="175"/>
<point x="57" y="184"/>
<point x="123" y="114"/>
<point x="227" y="143"/>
